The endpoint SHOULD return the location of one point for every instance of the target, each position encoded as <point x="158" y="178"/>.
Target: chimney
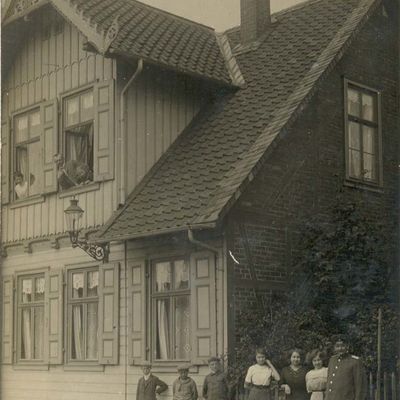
<point x="255" y="18"/>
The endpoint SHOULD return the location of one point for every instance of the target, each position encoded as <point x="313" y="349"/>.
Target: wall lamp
<point x="73" y="217"/>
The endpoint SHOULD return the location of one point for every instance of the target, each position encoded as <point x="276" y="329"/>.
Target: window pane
<point x="26" y="290"/>
<point x="182" y="327"/>
<point x="369" y="139"/>
<point x="35" y="168"/>
<point x="368" y="107"/>
<point x="87" y="107"/>
<point x="354" y="136"/>
<point x="92" y="283"/>
<point x="353" y="102"/>
<point x="38" y="332"/>
<point x="163" y="323"/>
<point x="21" y="184"/>
<point x="72" y="111"/>
<point x="355" y="164"/>
<point x="163" y="276"/>
<point x="181" y="272"/>
<point x="26" y="342"/>
<point x="369" y="167"/>
<point x="77" y="333"/>
<point x="77" y="285"/>
<point x="34" y="124"/>
<point x="39" y="289"/>
<point x="21" y="128"/>
<point x="91" y="337"/>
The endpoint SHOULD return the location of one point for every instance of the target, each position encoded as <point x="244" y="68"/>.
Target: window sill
<point x="27" y="202"/>
<point x="376" y="188"/>
<point x="84" y="367"/>
<point x="90" y="187"/>
<point x="31" y="367"/>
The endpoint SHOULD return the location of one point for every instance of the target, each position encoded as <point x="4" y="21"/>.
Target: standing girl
<point x="317" y="378"/>
<point x="293" y="378"/>
<point x="259" y="376"/>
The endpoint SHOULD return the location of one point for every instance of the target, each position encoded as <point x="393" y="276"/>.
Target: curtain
<point x="91" y="339"/>
<point x="26" y="351"/>
<point x="35" y="168"/>
<point x="182" y="327"/>
<point x="38" y="332"/>
<point x="163" y="329"/>
<point x="77" y="333"/>
<point x="76" y="146"/>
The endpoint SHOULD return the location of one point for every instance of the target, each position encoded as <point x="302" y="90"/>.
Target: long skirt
<point x="260" y="393"/>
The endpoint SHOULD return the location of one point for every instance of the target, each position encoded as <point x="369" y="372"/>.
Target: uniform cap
<point x="146" y="364"/>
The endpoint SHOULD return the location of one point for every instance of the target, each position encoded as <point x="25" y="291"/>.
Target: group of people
<point x="343" y="379"/>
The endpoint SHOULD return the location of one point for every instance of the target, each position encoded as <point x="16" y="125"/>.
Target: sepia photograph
<point x="200" y="200"/>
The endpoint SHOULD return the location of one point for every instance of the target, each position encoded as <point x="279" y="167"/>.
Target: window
<point x="363" y="134"/>
<point x="30" y="318"/>
<point x="28" y="165"/>
<point x="83" y="305"/>
<point x="171" y="309"/>
<point x="79" y="139"/>
<point x="171" y="305"/>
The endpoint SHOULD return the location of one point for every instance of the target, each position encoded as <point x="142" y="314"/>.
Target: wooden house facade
<point x="190" y="153"/>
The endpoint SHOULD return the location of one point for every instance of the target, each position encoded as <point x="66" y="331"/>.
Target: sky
<point x="220" y="14"/>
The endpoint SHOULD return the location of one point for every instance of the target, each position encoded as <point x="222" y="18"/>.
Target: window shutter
<point x="5" y="162"/>
<point x="7" y="319"/>
<point x="203" y="306"/>
<point x="55" y="316"/>
<point x="49" y="141"/>
<point x="104" y="131"/>
<point x="108" y="313"/>
<point x="137" y="311"/>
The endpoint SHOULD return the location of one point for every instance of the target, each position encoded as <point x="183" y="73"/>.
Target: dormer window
<point x="363" y="134"/>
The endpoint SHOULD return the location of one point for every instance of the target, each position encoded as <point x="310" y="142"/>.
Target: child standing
<point x="259" y="376"/>
<point x="215" y="386"/>
<point x="149" y="385"/>
<point x="184" y="388"/>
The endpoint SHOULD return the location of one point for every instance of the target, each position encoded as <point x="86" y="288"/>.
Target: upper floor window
<point x="31" y="317"/>
<point x="27" y="146"/>
<point x="363" y="160"/>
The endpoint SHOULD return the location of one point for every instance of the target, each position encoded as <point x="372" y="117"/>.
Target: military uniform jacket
<point x="147" y="390"/>
<point x="346" y="379"/>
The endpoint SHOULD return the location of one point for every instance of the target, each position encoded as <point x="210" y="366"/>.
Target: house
<point x="195" y="157"/>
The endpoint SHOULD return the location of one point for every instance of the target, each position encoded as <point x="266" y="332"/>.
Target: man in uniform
<point x="346" y="375"/>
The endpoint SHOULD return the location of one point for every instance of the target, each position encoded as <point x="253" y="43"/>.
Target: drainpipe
<point x="200" y="244"/>
<point x="123" y="133"/>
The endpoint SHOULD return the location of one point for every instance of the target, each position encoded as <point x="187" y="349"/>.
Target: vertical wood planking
<point x="150" y="131"/>
<point x="38" y="228"/>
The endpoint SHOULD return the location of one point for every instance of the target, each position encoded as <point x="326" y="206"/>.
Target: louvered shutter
<point x="104" y="131"/>
<point x="49" y="141"/>
<point x="55" y="316"/>
<point x="5" y="162"/>
<point x="7" y="322"/>
<point x="109" y="313"/>
<point x="203" y="305"/>
<point x="137" y="311"/>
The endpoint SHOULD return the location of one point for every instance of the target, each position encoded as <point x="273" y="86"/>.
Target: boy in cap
<point x="184" y="388"/>
<point x="149" y="385"/>
<point x="215" y="386"/>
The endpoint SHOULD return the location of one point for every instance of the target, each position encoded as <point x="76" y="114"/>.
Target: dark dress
<point x="296" y="380"/>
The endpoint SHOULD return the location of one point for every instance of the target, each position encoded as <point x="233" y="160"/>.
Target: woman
<point x="316" y="379"/>
<point x="259" y="377"/>
<point x="293" y="377"/>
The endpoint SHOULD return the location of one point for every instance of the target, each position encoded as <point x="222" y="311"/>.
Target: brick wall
<point x="306" y="172"/>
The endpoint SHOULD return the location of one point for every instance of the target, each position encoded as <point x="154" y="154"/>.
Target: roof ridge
<point x="247" y="166"/>
<point x="189" y="21"/>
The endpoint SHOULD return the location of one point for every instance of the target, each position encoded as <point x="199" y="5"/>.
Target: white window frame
<point x="364" y="182"/>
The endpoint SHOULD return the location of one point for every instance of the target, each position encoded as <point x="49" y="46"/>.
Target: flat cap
<point x="183" y="367"/>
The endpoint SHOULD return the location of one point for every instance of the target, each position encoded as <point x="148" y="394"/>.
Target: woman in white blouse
<point x="259" y="376"/>
<point x="316" y="379"/>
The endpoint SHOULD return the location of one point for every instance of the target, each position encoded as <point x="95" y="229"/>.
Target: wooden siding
<point x="43" y="70"/>
<point x="117" y="382"/>
<point x="160" y="107"/>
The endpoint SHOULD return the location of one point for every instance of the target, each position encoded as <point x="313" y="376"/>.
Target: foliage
<point x="340" y="279"/>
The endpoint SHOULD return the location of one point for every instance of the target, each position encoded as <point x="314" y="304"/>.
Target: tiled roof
<point x="159" y="37"/>
<point x="202" y="174"/>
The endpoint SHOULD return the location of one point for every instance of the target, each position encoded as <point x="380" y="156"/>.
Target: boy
<point x="184" y="388"/>
<point x="149" y="385"/>
<point x="215" y="386"/>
